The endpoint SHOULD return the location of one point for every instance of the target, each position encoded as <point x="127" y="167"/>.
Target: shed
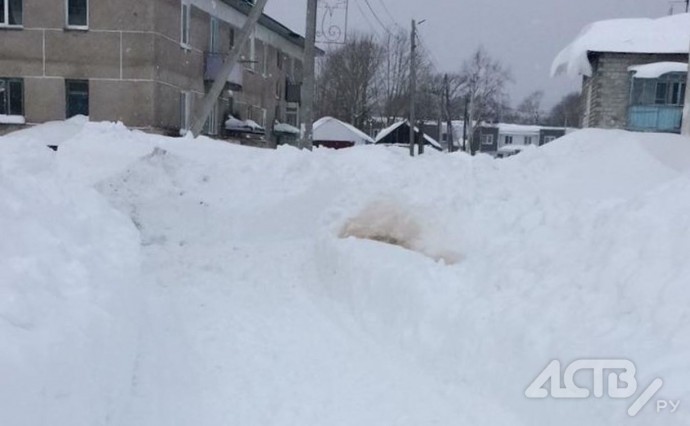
<point x="330" y="132"/>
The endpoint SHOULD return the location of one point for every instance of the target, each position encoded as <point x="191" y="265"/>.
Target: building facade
<point x="610" y="97"/>
<point x="146" y="63"/>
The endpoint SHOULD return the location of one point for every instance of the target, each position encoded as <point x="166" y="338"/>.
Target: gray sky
<point x="524" y="34"/>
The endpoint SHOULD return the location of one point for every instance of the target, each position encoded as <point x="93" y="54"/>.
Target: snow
<point x="332" y="129"/>
<point x="669" y="34"/>
<point x="147" y="280"/>
<point x="286" y="128"/>
<point x="658" y="69"/>
<point x="11" y="119"/>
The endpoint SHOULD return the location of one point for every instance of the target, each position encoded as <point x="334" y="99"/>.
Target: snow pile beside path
<point x="360" y="286"/>
<point x="68" y="296"/>
<point x="669" y="34"/>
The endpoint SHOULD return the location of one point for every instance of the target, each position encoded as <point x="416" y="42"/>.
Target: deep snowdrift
<point x="155" y="281"/>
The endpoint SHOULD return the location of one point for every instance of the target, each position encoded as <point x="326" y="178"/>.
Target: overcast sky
<point x="524" y="34"/>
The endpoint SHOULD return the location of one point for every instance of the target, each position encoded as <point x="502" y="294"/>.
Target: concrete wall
<point x="606" y="94"/>
<point x="134" y="61"/>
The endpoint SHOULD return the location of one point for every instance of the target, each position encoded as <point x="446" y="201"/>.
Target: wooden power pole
<point x="413" y="85"/>
<point x="449" y="117"/>
<point x="232" y="60"/>
<point x="309" y="84"/>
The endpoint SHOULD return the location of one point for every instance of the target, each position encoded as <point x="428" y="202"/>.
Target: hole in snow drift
<point x="388" y="223"/>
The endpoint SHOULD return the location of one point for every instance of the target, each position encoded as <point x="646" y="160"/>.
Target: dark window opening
<point x="77" y="97"/>
<point x="77" y="13"/>
<point x="11" y="96"/>
<point x="11" y="12"/>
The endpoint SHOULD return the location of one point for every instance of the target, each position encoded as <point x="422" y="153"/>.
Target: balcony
<point x="655" y="118"/>
<point x="214" y="62"/>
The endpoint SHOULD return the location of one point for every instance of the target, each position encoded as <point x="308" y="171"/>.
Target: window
<point x="11" y="12"/>
<point x="661" y="93"/>
<point x="211" y="126"/>
<point x="77" y="92"/>
<point x="77" y="13"/>
<point x="231" y="37"/>
<point x="185" y="100"/>
<point x="292" y="115"/>
<point x="509" y="140"/>
<point x="279" y="90"/>
<point x="184" y="34"/>
<point x="11" y="96"/>
<point x="528" y="140"/>
<point x="487" y="139"/>
<point x="279" y="59"/>
<point x="668" y="90"/>
<point x="213" y="37"/>
<point x="548" y="139"/>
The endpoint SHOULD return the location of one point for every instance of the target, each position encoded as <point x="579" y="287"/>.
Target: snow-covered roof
<point x="390" y="129"/>
<point x="518" y="129"/>
<point x="332" y="129"/>
<point x="658" y="69"/>
<point x="670" y="34"/>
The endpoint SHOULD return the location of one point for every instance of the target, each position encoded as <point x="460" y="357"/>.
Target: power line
<point x="373" y="12"/>
<point x="388" y="12"/>
<point x="371" y="26"/>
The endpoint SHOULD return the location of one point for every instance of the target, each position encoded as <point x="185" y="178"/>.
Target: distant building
<point x="634" y="72"/>
<point x="399" y="134"/>
<point x="333" y="133"/>
<point x="502" y="140"/>
<point x="146" y="63"/>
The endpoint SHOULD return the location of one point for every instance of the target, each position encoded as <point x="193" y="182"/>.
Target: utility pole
<point x="222" y="77"/>
<point x="309" y="84"/>
<point x="449" y="118"/>
<point x="466" y="123"/>
<point x="413" y="85"/>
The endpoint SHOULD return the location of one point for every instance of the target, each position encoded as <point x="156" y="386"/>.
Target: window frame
<point x="68" y="93"/>
<point x="487" y="139"/>
<point x="508" y="140"/>
<point x="6" y="13"/>
<point x="185" y="109"/>
<point x="214" y="36"/>
<point x="185" y="24"/>
<point x="76" y="27"/>
<point x="8" y="96"/>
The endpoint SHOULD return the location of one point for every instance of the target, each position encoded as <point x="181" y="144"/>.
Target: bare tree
<point x="566" y="113"/>
<point x="394" y="76"/>
<point x="346" y="89"/>
<point x="529" y="110"/>
<point x="484" y="82"/>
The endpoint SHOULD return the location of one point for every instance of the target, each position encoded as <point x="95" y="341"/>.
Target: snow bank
<point x="235" y="293"/>
<point x="69" y="302"/>
<point x="658" y="69"/>
<point x="670" y="34"/>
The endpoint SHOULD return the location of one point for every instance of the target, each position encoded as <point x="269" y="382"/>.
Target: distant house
<point x="399" y="134"/>
<point x="333" y="133"/>
<point x="634" y="72"/>
<point x="502" y="140"/>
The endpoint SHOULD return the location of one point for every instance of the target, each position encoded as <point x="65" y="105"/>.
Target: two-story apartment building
<point x="633" y="71"/>
<point x="146" y="63"/>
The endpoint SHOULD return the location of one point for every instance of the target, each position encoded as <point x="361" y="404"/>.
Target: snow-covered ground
<point x="154" y="281"/>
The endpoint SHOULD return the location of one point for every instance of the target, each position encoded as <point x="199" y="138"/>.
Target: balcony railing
<point x="214" y="63"/>
<point x="655" y="118"/>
